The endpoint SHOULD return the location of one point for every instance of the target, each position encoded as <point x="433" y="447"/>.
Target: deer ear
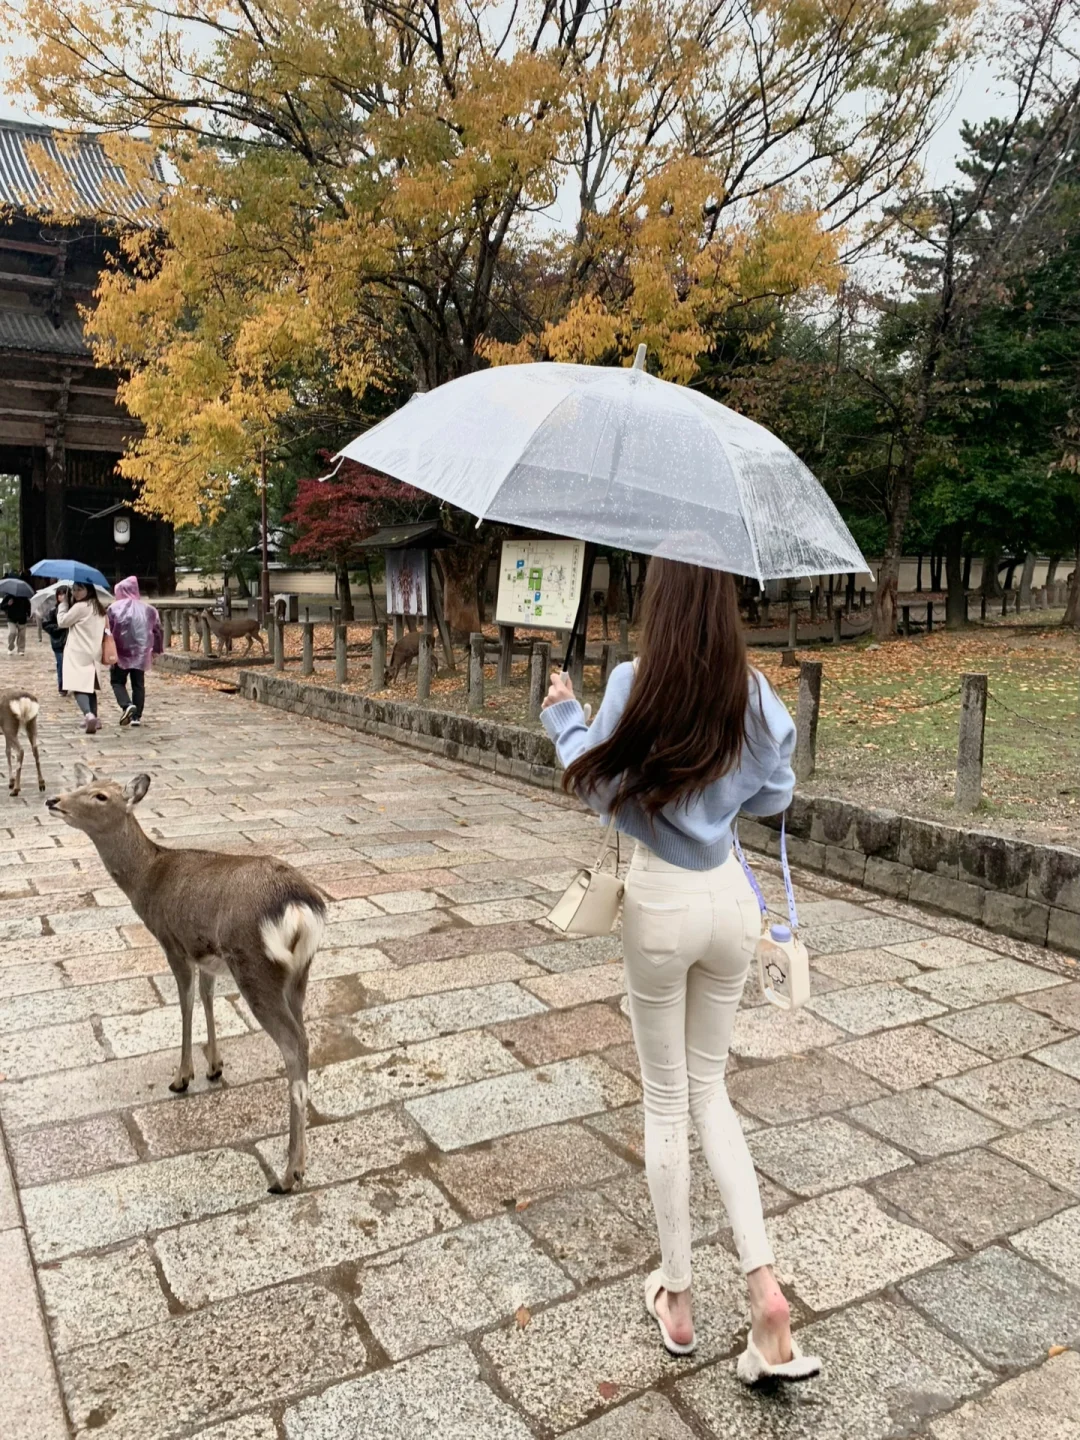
<point x="83" y="774"/>
<point x="135" y="789"/>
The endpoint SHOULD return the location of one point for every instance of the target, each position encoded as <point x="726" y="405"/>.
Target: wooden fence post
<point x="279" y="644"/>
<point x="425" y="663"/>
<point x="185" y="629"/>
<point x="341" y="658"/>
<point x="399" y="627"/>
<point x="982" y="608"/>
<point x="506" y="654"/>
<point x="539" y="670"/>
<point x="929" y="617"/>
<point x="307" y="656"/>
<point x="969" y="751"/>
<point x="837" y="619"/>
<point x="378" y="658"/>
<point x="476" y="672"/>
<point x="166" y="629"/>
<point x="905" y="611"/>
<point x="792" y="628"/>
<point x="607" y="659"/>
<point x="806" y="718"/>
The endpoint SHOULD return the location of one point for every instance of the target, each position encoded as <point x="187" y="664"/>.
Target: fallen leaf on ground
<point x="522" y="1315"/>
<point x="608" y="1389"/>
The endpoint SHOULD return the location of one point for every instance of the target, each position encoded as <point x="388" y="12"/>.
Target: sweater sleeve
<point x="566" y="724"/>
<point x="774" y="795"/>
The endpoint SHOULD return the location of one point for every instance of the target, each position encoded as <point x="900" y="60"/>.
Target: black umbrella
<point x="12" y="585"/>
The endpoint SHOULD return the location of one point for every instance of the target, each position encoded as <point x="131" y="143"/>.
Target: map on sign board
<point x="540" y="583"/>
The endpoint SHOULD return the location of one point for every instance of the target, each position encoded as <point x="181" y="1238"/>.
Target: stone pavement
<point x="465" y="1259"/>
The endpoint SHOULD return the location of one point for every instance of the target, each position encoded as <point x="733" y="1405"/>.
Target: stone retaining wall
<point x="185" y="662"/>
<point x="1031" y="892"/>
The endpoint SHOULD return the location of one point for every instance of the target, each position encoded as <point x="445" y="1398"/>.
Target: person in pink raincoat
<point x="136" y="631"/>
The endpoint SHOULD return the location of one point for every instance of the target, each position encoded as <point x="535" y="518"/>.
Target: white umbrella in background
<point x="44" y="599"/>
<point x="620" y="458"/>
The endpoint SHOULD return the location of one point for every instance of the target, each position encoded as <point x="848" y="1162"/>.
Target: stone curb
<point x="1030" y="892"/>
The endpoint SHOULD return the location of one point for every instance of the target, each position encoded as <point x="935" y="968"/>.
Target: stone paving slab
<point x="466" y="1255"/>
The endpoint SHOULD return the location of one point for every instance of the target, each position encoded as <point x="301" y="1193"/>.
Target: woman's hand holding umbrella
<point x="560" y="688"/>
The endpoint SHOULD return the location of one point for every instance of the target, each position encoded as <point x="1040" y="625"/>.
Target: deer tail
<point x="25" y="708"/>
<point x="292" y="937"/>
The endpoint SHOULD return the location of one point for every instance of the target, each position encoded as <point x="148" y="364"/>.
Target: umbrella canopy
<point x="73" y="571"/>
<point x="43" y="599"/>
<point x="12" y="585"/>
<point x="620" y="458"/>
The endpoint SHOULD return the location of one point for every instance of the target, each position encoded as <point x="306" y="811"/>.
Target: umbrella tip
<point x="639" y="358"/>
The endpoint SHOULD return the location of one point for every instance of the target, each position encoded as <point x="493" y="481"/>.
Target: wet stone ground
<point x="465" y="1259"/>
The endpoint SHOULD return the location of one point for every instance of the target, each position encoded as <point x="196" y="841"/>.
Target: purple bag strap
<point x="793" y="914"/>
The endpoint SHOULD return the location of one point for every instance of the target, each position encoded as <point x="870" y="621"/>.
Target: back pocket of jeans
<point x="656" y="928"/>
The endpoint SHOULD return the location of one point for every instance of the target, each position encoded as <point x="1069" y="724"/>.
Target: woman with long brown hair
<point x="685" y="739"/>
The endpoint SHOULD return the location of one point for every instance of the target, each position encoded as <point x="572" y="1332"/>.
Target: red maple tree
<point x="334" y="515"/>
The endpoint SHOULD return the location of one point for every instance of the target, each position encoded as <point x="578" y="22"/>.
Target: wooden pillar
<point x="905" y="611"/>
<point x="307" y="656"/>
<point x="56" y="472"/>
<point x="792" y="628"/>
<point x="837" y="621"/>
<point x="185" y="629"/>
<point x="539" y="670"/>
<point x="166" y="628"/>
<point x="982" y="607"/>
<point x="279" y="644"/>
<point x="806" y="718"/>
<point x="607" y="663"/>
<point x="476" y="672"/>
<point x="399" y="627"/>
<point x="506" y="654"/>
<point x="425" y="664"/>
<point x="341" y="661"/>
<point x="929" y="617"/>
<point x="378" y="658"/>
<point x="969" y="752"/>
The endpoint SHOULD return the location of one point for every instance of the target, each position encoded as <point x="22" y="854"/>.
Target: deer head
<point x="97" y="806"/>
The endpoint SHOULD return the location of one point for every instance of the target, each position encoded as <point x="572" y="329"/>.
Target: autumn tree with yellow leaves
<point x="370" y="196"/>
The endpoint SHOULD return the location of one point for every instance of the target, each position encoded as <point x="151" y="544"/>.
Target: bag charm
<point x="590" y="904"/>
<point x="783" y="964"/>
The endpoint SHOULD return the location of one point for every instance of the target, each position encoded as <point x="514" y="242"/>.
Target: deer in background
<point x="251" y="916"/>
<point x="226" y="631"/>
<point x="19" y="709"/>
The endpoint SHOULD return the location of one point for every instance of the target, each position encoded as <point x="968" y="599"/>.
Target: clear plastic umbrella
<point x="620" y="458"/>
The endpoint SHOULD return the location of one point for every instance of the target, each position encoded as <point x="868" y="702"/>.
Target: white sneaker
<point x="128" y="717"/>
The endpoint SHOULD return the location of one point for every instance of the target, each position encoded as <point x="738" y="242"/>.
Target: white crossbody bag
<point x="783" y="964"/>
<point x="590" y="903"/>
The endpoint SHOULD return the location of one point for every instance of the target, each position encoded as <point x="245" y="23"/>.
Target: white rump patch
<point x="293" y="937"/>
<point x="25" y="709"/>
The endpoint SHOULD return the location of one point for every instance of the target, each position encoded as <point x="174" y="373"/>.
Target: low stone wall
<point x="185" y="662"/>
<point x="506" y="749"/>
<point x="1031" y="892"/>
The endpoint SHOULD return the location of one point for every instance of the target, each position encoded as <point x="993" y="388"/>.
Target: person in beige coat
<point x="82" y="615"/>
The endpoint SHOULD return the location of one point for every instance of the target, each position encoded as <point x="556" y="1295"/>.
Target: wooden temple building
<point x="61" y="429"/>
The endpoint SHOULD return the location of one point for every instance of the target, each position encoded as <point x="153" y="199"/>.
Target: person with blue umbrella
<point x="81" y="614"/>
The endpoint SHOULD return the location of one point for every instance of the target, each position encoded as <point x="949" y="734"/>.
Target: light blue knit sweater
<point x="696" y="833"/>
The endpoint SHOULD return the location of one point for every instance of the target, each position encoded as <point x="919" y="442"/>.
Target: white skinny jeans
<point x="688" y="940"/>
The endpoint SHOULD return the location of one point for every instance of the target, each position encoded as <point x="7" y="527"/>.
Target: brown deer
<point x="251" y="916"/>
<point x="404" y="653"/>
<point x="18" y="709"/>
<point x="226" y="631"/>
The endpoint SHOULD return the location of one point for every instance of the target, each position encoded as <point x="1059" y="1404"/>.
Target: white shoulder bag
<point x="590" y="904"/>
<point x="783" y="965"/>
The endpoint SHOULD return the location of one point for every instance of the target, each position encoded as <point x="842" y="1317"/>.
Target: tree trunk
<point x="1072" y="605"/>
<point x="1051" y="569"/>
<point x="888" y="577"/>
<point x="344" y="590"/>
<point x="1026" y="577"/>
<point x="967" y="569"/>
<point x="461" y="565"/>
<point x="935" y="573"/>
<point x="1009" y="573"/>
<point x="991" y="586"/>
<point x="918" y="577"/>
<point x="956" y="598"/>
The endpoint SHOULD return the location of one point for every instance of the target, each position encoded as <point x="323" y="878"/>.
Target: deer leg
<point x="206" y="991"/>
<point x="31" y="735"/>
<point x="14" y="769"/>
<point x="184" y="973"/>
<point x="275" y="1012"/>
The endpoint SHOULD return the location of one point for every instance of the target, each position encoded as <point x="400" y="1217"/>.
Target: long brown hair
<point x="684" y="724"/>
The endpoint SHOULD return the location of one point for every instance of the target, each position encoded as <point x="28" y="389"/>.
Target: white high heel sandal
<point x="753" y="1368"/>
<point x="653" y="1286"/>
